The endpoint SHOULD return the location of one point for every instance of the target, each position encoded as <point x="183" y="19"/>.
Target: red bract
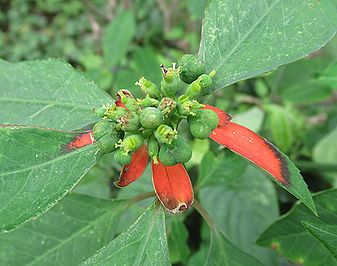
<point x="251" y="146"/>
<point x="171" y="183"/>
<point x="134" y="170"/>
<point x="173" y="186"/>
<point x="83" y="139"/>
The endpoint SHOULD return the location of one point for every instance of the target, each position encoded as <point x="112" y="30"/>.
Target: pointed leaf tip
<point x="173" y="186"/>
<point x="133" y="171"/>
<point x="81" y="140"/>
<point x="265" y="155"/>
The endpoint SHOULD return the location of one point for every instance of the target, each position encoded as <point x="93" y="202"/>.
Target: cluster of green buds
<point x="153" y="120"/>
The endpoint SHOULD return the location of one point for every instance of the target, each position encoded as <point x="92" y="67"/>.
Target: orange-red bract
<point x="81" y="140"/>
<point x="131" y="172"/>
<point x="253" y="147"/>
<point x="173" y="186"/>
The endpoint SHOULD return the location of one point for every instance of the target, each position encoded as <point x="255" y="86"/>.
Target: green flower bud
<point x="195" y="88"/>
<point x="100" y="111"/>
<point x="148" y="102"/>
<point x="153" y="149"/>
<point x="102" y="128"/>
<point x="122" y="158"/>
<point x="178" y="152"/>
<point x="187" y="107"/>
<point x="116" y="113"/>
<point x="203" y="123"/>
<point x="131" y="143"/>
<point x="107" y="143"/>
<point x="148" y="87"/>
<point x="167" y="106"/>
<point x="165" y="134"/>
<point x="129" y="122"/>
<point x="170" y="83"/>
<point x="191" y="68"/>
<point x="129" y="102"/>
<point x="151" y="117"/>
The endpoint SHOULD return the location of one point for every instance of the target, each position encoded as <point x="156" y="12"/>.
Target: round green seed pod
<point x="151" y="117"/>
<point x="183" y="151"/>
<point x="203" y="123"/>
<point x="191" y="68"/>
<point x="166" y="155"/>
<point x="107" y="143"/>
<point x="122" y="158"/>
<point x="178" y="152"/>
<point x="102" y="128"/>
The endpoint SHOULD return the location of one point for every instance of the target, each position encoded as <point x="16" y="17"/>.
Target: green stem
<point x="305" y="165"/>
<point x="204" y="214"/>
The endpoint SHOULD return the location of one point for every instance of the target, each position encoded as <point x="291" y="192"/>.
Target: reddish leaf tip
<point x="81" y="140"/>
<point x="133" y="171"/>
<point x="255" y="148"/>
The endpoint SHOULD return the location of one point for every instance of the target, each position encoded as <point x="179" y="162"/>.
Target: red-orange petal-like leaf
<point x="173" y="186"/>
<point x="131" y="172"/>
<point x="81" y="140"/>
<point x="224" y="117"/>
<point x="253" y="147"/>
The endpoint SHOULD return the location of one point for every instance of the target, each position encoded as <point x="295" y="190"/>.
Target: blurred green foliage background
<point x="116" y="42"/>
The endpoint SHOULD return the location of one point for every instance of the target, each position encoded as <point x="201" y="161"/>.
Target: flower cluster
<point x="136" y="129"/>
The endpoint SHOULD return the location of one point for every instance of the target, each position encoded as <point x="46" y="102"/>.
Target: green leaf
<point x="297" y="186"/>
<point x="325" y="151"/>
<point x="243" y="210"/>
<point x="47" y="93"/>
<point x="241" y="39"/>
<point x="283" y="126"/>
<point x="143" y="185"/>
<point x="223" y="252"/>
<point x="117" y="37"/>
<point x="126" y="78"/>
<point x="329" y="76"/>
<point x="252" y="118"/>
<point x="224" y="170"/>
<point x="324" y="233"/>
<point x="330" y="8"/>
<point x="37" y="170"/>
<point x="144" y="243"/>
<point x="297" y="82"/>
<point x="177" y="241"/>
<point x="289" y="238"/>
<point x="196" y="8"/>
<point x="71" y="231"/>
<point x="147" y="65"/>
